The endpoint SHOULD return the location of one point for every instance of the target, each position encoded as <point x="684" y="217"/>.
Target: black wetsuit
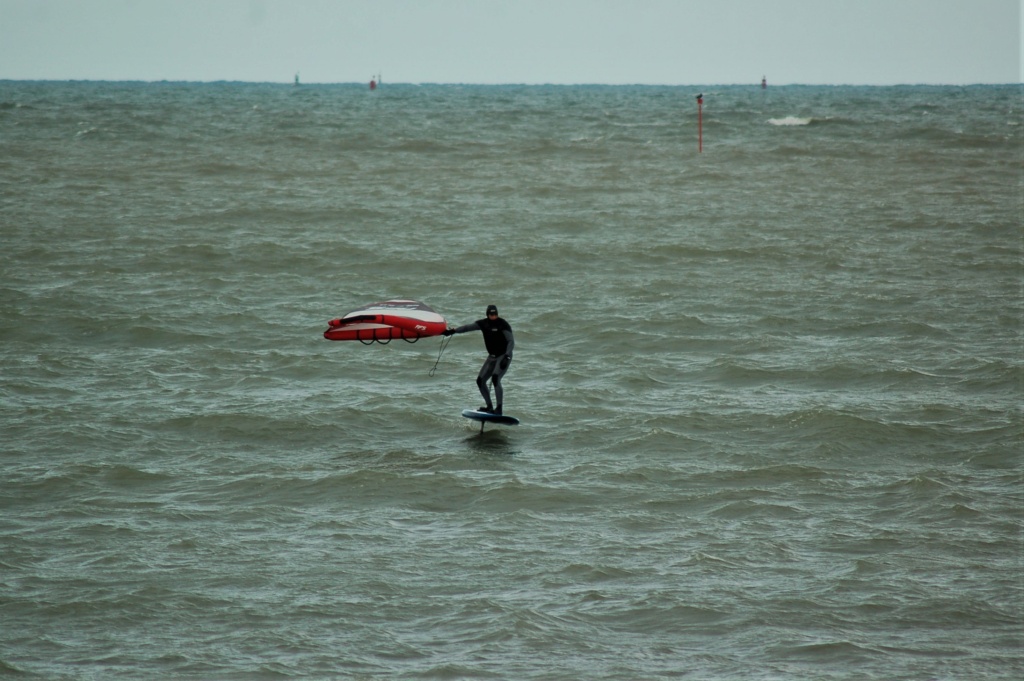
<point x="500" y="342"/>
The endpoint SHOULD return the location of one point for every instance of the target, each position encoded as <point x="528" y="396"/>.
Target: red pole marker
<point x="700" y="124"/>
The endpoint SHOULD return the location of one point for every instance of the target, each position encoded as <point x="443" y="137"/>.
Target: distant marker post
<point x="700" y="124"/>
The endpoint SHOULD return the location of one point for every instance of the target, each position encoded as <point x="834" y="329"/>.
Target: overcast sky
<point x="675" y="42"/>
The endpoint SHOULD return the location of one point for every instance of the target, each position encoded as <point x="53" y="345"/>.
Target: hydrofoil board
<point x="485" y="417"/>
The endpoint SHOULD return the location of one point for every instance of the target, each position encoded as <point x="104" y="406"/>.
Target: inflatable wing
<point x="409" y="320"/>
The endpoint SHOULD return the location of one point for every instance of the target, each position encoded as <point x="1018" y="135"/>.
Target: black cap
<point x="492" y="308"/>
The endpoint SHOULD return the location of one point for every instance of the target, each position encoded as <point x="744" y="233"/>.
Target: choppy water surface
<point x="771" y="393"/>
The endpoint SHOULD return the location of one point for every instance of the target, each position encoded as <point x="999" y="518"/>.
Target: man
<point x="499" y="342"/>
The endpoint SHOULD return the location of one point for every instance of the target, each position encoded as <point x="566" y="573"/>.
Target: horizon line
<point x="363" y="83"/>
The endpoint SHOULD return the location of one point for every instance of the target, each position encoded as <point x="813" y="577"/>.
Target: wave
<point x="800" y="121"/>
<point x="790" y="121"/>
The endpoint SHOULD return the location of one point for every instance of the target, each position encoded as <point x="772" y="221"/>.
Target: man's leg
<point x="499" y="371"/>
<point x="486" y="371"/>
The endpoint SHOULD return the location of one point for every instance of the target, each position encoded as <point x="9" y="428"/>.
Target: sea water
<point x="770" y="391"/>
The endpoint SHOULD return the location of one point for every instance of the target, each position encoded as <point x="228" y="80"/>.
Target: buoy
<point x="700" y="124"/>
